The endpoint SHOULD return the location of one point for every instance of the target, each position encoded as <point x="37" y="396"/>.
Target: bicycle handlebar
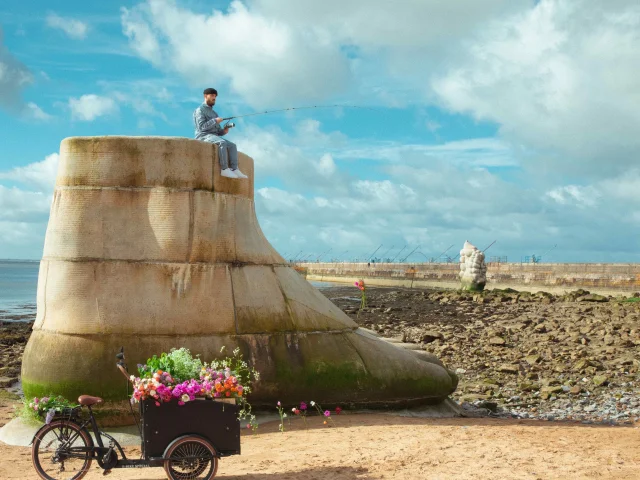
<point x="121" y="365"/>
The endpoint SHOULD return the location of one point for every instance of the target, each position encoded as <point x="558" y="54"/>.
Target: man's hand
<point x="219" y="119"/>
<point x="226" y="130"/>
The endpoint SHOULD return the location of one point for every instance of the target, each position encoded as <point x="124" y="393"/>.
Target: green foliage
<point x="178" y="362"/>
<point x="246" y="377"/>
<point x="37" y="408"/>
<point x="184" y="366"/>
<point x="239" y="368"/>
<point x="155" y="363"/>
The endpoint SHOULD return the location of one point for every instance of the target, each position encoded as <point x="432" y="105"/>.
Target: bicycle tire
<point x="55" y="435"/>
<point x="199" y="454"/>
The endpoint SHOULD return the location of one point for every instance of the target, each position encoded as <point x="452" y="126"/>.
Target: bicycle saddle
<point x="88" y="400"/>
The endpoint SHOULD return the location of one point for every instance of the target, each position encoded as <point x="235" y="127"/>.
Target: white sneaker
<point x="238" y="173"/>
<point x="227" y="172"/>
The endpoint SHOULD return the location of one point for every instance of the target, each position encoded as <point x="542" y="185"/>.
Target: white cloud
<point x="574" y="194"/>
<point x="14" y="77"/>
<point x="560" y="78"/>
<point x="89" y="107"/>
<point x="41" y="175"/>
<point x="33" y="111"/>
<point x="262" y="58"/>
<point x="434" y="196"/>
<point x="73" y="28"/>
<point x="373" y="24"/>
<point x="25" y="206"/>
<point x="326" y="166"/>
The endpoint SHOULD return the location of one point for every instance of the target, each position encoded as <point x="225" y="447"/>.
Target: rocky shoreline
<point x="517" y="354"/>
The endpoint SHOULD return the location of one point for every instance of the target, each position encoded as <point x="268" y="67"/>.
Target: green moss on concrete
<point x="72" y="390"/>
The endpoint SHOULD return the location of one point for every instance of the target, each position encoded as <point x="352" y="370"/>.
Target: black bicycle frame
<point x="100" y="450"/>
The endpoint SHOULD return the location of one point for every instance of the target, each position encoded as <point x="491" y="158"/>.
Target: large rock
<point x="149" y="248"/>
<point x="473" y="269"/>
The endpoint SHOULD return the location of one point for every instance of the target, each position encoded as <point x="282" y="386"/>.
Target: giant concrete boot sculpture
<point x="149" y="248"/>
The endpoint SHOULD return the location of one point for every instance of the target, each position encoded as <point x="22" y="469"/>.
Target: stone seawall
<point x="620" y="278"/>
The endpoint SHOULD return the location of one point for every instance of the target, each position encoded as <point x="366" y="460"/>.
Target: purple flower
<point x="50" y="415"/>
<point x="303" y="406"/>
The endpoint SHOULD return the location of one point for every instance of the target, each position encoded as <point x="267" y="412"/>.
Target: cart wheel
<point x="191" y="458"/>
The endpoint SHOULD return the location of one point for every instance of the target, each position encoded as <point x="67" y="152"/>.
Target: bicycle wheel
<point x="60" y="451"/>
<point x="191" y="458"/>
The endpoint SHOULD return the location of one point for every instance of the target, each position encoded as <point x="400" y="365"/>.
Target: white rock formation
<point x="473" y="270"/>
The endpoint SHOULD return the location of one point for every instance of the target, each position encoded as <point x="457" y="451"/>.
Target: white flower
<point x="284" y="415"/>
<point x="185" y="397"/>
<point x="293" y="409"/>
<point x="313" y="404"/>
<point x="152" y="393"/>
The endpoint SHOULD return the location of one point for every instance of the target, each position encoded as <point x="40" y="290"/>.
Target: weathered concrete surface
<point x="601" y="277"/>
<point x="149" y="248"/>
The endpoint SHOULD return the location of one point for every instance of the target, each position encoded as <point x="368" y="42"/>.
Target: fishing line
<point x="298" y="108"/>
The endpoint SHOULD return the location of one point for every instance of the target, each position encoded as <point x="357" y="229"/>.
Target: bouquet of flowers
<point x="178" y="375"/>
<point x="46" y="407"/>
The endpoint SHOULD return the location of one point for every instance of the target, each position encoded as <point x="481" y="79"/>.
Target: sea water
<point x="18" y="286"/>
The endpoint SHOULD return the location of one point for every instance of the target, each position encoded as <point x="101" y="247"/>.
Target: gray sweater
<point x="204" y="119"/>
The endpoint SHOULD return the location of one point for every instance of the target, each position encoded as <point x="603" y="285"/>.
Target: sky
<point x="486" y="120"/>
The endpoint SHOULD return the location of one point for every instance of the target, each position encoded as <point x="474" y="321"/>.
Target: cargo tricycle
<point x="187" y="440"/>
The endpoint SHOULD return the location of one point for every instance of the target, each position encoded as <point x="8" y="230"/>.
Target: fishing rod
<point x="296" y="108"/>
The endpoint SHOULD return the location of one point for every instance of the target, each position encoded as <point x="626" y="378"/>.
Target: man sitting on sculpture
<point x="207" y="124"/>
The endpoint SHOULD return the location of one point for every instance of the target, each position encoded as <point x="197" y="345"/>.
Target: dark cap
<point x="208" y="91"/>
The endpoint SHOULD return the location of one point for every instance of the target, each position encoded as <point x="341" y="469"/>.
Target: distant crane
<point x="322" y="255"/>
<point x="371" y="256"/>
<point x="438" y="257"/>
<point x="385" y="253"/>
<point x="398" y="253"/>
<point x="410" y="254"/>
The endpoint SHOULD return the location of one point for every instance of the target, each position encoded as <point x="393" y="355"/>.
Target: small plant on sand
<point x="282" y="416"/>
<point x="301" y="412"/>
<point x="326" y="413"/>
<point x="363" y="295"/>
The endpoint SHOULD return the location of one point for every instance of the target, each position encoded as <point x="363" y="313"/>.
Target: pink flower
<point x="157" y="404"/>
<point x="338" y="410"/>
<point x="303" y="406"/>
<point x="279" y="404"/>
<point x="327" y="413"/>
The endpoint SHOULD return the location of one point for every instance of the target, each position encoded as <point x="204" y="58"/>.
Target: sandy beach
<point x="376" y="446"/>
